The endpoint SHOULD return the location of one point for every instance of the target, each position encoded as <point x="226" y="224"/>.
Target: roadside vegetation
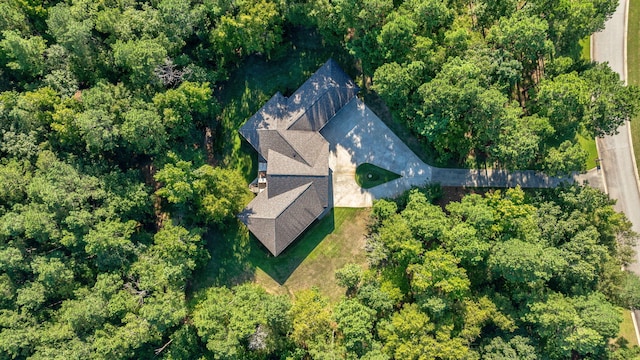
<point x="495" y="274"/>
<point x="627" y="330"/>
<point x="122" y="172"/>
<point x="588" y="143"/>
<point x="633" y="66"/>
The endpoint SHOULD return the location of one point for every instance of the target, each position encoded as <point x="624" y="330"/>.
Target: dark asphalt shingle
<point x="285" y="133"/>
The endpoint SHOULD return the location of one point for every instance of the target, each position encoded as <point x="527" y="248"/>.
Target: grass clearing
<point x="627" y="330"/>
<point x="338" y="238"/>
<point x="329" y="244"/>
<point x="369" y="175"/>
<point x="589" y="145"/>
<point x="633" y="66"/>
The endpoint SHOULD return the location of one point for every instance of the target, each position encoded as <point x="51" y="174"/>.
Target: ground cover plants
<point x="121" y="175"/>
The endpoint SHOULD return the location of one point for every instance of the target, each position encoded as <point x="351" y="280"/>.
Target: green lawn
<point x="633" y="65"/>
<point x="369" y="175"/>
<point x="338" y="238"/>
<point x="330" y="243"/>
<point x="585" y="48"/>
<point x="589" y="145"/>
<point x="627" y="330"/>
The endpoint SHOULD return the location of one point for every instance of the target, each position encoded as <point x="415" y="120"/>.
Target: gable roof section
<point x="309" y="108"/>
<point x="278" y="220"/>
<point x="320" y="97"/>
<point x="311" y="155"/>
<point x="284" y="132"/>
<point x="279" y="184"/>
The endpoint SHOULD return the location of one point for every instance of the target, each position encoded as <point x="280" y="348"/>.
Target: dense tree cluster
<point x="535" y="274"/>
<point x="115" y="171"/>
<point x="505" y="275"/>
<point x="101" y="105"/>
<point x="499" y="81"/>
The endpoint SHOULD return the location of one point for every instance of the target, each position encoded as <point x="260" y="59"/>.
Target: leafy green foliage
<point x="494" y="81"/>
<point x="496" y="262"/>
<point x="109" y="109"/>
<point x="22" y="55"/>
<point x="239" y="323"/>
<point x="214" y="194"/>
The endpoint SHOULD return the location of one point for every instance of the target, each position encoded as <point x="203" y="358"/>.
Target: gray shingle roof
<point x="278" y="220"/>
<point x="285" y="133"/>
<point x="320" y="97"/>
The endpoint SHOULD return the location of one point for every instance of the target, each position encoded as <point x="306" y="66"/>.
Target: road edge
<point x="635" y="323"/>
<point x="633" y="156"/>
<point x="604" y="178"/>
<point x="624" y="70"/>
<point x="628" y="123"/>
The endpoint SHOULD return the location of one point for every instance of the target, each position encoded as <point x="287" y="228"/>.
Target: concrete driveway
<point x="356" y="135"/>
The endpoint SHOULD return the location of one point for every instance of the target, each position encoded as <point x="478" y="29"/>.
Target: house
<point x="293" y="185"/>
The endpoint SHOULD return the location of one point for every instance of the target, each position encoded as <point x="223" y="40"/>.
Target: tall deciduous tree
<point x="139" y="59"/>
<point x="355" y="322"/>
<point x="110" y="244"/>
<point x="438" y="283"/>
<point x="565" y="159"/>
<point x="523" y="37"/>
<point x="410" y="334"/>
<point x="241" y="323"/>
<point x="569" y="21"/>
<point x="245" y="28"/>
<point x="22" y="55"/>
<point x="460" y="112"/>
<point x="213" y="194"/>
<point x="610" y="102"/>
<point x="312" y="321"/>
<point x="574" y="326"/>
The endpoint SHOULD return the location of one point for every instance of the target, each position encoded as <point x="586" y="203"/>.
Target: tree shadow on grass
<point x="230" y="263"/>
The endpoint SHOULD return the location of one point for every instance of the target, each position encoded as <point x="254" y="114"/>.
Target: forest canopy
<point x="120" y="161"/>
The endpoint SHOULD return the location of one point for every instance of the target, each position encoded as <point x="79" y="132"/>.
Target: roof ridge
<point x="325" y="67"/>
<point x="306" y="187"/>
<point x="309" y="161"/>
<point x="302" y="160"/>
<point x="307" y="109"/>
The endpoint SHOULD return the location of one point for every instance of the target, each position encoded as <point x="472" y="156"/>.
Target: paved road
<point x="615" y="151"/>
